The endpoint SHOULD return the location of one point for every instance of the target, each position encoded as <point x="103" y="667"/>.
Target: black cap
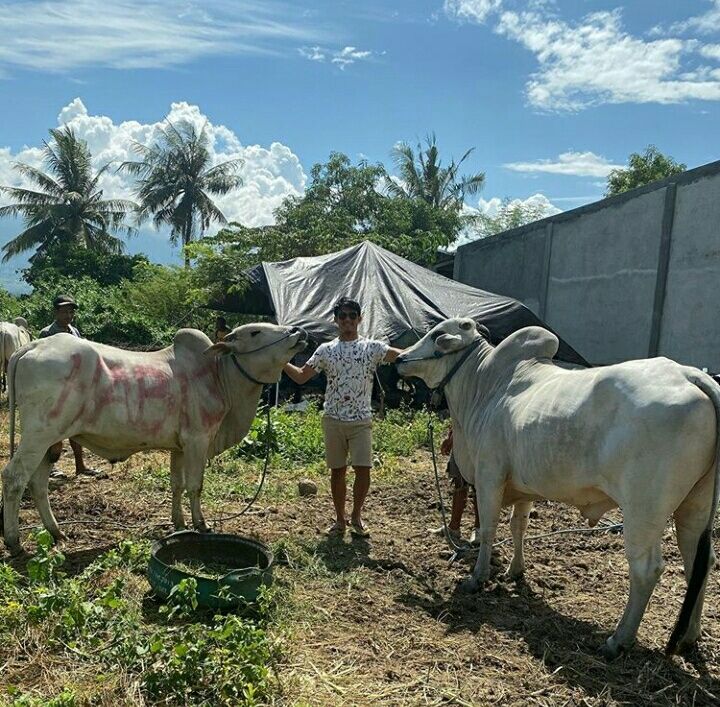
<point x="64" y="301"/>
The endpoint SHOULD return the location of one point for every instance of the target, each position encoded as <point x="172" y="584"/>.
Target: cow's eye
<point x="254" y="333"/>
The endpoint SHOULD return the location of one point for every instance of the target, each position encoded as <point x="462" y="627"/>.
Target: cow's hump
<point x="190" y="341"/>
<point x="531" y="342"/>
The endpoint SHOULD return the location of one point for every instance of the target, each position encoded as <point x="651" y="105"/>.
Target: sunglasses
<point x="344" y="315"/>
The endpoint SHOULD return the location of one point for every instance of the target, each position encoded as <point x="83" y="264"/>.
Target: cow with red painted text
<point x="191" y="398"/>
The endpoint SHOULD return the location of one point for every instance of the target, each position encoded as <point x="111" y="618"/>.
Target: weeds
<point x="102" y="619"/>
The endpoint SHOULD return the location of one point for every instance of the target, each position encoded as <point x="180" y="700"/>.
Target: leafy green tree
<point x="75" y="261"/>
<point x="421" y="175"/>
<point x="176" y="181"/>
<point x="511" y="214"/>
<point x="341" y="207"/>
<point x="67" y="207"/>
<point x="642" y="169"/>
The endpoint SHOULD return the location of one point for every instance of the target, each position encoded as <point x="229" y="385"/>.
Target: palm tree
<point x="175" y="181"/>
<point x="67" y="206"/>
<point x="422" y="176"/>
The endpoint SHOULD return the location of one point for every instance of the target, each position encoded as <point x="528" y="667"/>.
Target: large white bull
<point x="13" y="335"/>
<point x="191" y="398"/>
<point x="641" y="435"/>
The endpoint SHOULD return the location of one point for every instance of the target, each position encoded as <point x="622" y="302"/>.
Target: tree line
<point x="76" y="235"/>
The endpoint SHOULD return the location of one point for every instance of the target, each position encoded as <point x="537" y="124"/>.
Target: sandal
<point x="359" y="530"/>
<point x="335" y="530"/>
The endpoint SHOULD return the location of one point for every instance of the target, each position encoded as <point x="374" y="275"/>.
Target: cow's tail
<point x="701" y="565"/>
<point x="11" y="394"/>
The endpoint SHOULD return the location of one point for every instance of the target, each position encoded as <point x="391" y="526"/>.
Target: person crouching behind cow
<point x="64" y="308"/>
<point x="349" y="362"/>
<point x="459" y="498"/>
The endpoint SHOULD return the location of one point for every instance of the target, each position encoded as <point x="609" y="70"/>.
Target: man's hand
<point x="392" y="354"/>
<point x="299" y="375"/>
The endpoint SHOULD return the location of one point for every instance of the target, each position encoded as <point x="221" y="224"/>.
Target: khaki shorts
<point x="342" y="437"/>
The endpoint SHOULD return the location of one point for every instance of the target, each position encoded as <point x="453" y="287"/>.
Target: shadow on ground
<point x="569" y="648"/>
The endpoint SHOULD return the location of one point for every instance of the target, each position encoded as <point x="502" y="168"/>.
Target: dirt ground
<point x="381" y="622"/>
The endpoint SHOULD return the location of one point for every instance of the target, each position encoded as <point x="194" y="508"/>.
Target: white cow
<point x="192" y="398"/>
<point x="13" y="335"/>
<point x="641" y="435"/>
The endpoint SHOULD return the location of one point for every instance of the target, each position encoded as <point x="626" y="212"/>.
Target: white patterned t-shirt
<point x="349" y="367"/>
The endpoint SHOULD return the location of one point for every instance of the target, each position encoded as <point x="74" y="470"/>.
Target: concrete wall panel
<point x="602" y="277"/>
<point x="511" y="267"/>
<point x="690" y="325"/>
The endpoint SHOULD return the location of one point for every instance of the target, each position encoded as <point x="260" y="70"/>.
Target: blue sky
<point x="552" y="94"/>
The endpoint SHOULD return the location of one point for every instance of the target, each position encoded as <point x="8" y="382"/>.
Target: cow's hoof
<point x="513" y="573"/>
<point x="469" y="586"/>
<point x="59" y="537"/>
<point x="610" y="650"/>
<point x="203" y="528"/>
<point x="15" y="551"/>
<point x="686" y="646"/>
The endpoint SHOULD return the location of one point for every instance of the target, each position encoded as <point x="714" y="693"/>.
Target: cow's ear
<point x="218" y="349"/>
<point x="449" y="342"/>
<point x="483" y="331"/>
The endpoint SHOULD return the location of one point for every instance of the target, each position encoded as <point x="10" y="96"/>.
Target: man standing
<point x="64" y="308"/>
<point x="349" y="363"/>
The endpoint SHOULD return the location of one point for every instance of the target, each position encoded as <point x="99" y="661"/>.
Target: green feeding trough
<point x="229" y="569"/>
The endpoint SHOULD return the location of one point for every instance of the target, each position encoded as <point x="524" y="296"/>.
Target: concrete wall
<point x="631" y="276"/>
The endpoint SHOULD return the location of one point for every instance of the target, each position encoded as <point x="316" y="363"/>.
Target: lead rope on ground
<point x="266" y="464"/>
<point x="458" y="550"/>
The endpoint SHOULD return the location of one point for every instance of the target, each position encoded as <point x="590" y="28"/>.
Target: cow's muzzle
<point x="302" y="336"/>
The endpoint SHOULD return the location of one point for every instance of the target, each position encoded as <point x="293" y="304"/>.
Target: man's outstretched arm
<point x="392" y="354"/>
<point x="299" y="375"/>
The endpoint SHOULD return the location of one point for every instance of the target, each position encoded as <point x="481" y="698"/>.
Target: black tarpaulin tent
<point x="400" y="300"/>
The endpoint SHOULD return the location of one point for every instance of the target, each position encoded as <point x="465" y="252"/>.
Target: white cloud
<point x="711" y="51"/>
<point x="476" y="10"/>
<point x="349" y="55"/>
<point x="538" y="204"/>
<point x="578" y="164"/>
<point x="706" y="23"/>
<point x="491" y="207"/>
<point x="269" y="174"/>
<point x="61" y="35"/>
<point x="341" y="58"/>
<point x="312" y="53"/>
<point x="596" y="60"/>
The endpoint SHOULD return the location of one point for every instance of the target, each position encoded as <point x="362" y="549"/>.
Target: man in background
<point x="64" y="308"/>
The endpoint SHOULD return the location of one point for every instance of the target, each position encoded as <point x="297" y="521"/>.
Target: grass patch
<point x="99" y="637"/>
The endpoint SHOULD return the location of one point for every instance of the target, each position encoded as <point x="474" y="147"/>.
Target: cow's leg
<point x="691" y="518"/>
<point x="643" y="549"/>
<point x="39" y="488"/>
<point x="195" y="454"/>
<point x="177" y="483"/>
<point x="489" y="504"/>
<point x="15" y="479"/>
<point x="518" y="526"/>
